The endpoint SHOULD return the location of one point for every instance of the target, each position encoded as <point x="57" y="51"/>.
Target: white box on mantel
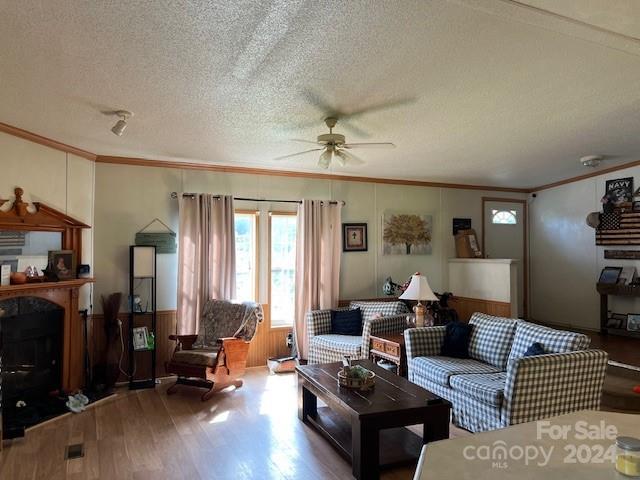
<point x="5" y="274"/>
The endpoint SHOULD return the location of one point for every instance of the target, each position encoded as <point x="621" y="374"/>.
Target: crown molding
<point x="595" y="173"/>
<point x="142" y="162"/>
<point x="47" y="142"/>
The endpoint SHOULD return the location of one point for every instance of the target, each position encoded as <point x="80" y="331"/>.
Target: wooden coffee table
<point x="367" y="428"/>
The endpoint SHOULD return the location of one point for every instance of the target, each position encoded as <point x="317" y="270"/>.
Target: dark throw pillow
<point x="536" y="348"/>
<point x="346" y="322"/>
<point x="456" y="340"/>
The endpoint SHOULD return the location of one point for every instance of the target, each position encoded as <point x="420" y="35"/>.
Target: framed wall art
<point x="406" y="234"/>
<point x="354" y="237"/>
<point x="619" y="191"/>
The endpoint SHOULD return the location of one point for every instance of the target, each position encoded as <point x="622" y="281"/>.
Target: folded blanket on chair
<point x="222" y="318"/>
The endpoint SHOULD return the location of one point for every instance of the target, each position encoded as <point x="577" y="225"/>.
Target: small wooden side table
<point x="390" y="347"/>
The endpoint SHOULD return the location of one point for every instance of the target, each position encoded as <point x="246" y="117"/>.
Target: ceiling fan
<point x="334" y="145"/>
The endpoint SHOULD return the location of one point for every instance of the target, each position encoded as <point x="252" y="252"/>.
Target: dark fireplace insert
<point x="31" y="331"/>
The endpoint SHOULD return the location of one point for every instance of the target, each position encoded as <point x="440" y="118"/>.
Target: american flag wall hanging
<point x="12" y="239"/>
<point x="619" y="228"/>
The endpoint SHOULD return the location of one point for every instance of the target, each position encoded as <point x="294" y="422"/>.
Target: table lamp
<point x="419" y="289"/>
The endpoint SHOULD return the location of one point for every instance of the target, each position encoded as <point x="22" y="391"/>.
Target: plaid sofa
<point x="377" y="317"/>
<point x="497" y="386"/>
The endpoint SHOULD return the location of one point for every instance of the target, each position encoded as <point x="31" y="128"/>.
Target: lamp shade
<point x="418" y="289"/>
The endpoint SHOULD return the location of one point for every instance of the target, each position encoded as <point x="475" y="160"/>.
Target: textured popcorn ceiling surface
<point x="487" y="91"/>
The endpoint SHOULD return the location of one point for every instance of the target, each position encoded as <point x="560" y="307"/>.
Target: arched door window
<point x="504" y="217"/>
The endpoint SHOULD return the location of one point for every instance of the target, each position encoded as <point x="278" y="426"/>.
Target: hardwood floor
<point x="249" y="433"/>
<point x="620" y="349"/>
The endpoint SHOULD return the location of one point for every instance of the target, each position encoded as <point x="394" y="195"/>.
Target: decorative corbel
<point x="20" y="207"/>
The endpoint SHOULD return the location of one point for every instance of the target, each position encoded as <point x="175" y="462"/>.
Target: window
<point x="246" y="265"/>
<point x="504" y="217"/>
<point x="282" y="275"/>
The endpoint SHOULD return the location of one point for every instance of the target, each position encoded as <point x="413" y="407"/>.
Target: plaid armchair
<point x="325" y="347"/>
<point x="498" y="386"/>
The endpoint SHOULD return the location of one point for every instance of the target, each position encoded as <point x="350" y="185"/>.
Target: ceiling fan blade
<point x="304" y="141"/>
<point x="369" y="145"/>
<point x="317" y="101"/>
<point x="358" y="131"/>
<point x="299" y="153"/>
<point x="380" y="106"/>
<point x="325" y="159"/>
<point x="348" y="157"/>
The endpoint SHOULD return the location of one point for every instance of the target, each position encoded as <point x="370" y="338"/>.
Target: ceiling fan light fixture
<point x="325" y="158"/>
<point x="341" y="157"/>
<point x="334" y="144"/>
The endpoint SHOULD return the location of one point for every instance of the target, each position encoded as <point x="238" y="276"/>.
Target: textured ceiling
<point x="481" y="91"/>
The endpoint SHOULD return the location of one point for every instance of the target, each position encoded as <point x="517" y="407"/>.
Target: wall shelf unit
<point x="605" y="290"/>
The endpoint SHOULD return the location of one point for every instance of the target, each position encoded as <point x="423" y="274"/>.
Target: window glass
<point x="504" y="217"/>
<point x="283" y="269"/>
<point x="245" y="226"/>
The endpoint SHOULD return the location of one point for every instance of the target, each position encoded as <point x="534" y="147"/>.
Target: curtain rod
<point x="174" y="195"/>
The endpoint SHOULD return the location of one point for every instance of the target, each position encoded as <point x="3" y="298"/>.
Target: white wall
<point x="57" y="179"/>
<point x="129" y="197"/>
<point x="565" y="261"/>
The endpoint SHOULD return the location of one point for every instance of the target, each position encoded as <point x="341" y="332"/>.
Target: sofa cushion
<point x="346" y="322"/>
<point x="491" y="339"/>
<point x="552" y="340"/>
<point x="441" y="369"/>
<point x="456" y="340"/>
<point x="344" y="344"/>
<point x="485" y="387"/>
<point x="386" y="309"/>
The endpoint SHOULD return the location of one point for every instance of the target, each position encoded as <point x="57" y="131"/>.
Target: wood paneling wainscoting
<point x="268" y="342"/>
<point x="468" y="306"/>
<point x="165" y="326"/>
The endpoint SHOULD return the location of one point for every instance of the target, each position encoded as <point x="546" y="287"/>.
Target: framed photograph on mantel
<point x="354" y="237"/>
<point x="63" y="263"/>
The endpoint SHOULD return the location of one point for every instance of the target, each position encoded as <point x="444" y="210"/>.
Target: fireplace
<point x="31" y="341"/>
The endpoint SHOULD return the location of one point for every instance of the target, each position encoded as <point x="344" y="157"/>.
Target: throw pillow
<point x="456" y="340"/>
<point x="346" y="322"/>
<point x="536" y="348"/>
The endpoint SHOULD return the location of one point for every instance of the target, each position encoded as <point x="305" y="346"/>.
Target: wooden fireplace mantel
<point x="64" y="294"/>
<point x="77" y="282"/>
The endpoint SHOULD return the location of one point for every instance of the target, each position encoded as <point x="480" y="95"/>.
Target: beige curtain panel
<point x="317" y="263"/>
<point x="206" y="257"/>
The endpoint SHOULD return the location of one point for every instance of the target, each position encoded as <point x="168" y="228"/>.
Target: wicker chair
<point x="216" y="357"/>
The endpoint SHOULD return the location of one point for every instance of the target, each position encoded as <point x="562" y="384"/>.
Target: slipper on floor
<point x="636" y="389"/>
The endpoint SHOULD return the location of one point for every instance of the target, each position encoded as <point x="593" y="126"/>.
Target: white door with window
<point x="504" y="237"/>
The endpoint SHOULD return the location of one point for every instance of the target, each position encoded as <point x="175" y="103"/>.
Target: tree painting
<point x="407" y="234"/>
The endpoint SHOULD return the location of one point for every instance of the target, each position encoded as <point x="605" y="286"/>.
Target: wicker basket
<point x="357" y="383"/>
